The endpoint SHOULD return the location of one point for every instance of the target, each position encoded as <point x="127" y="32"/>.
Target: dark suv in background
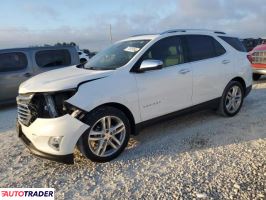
<point x="17" y="65"/>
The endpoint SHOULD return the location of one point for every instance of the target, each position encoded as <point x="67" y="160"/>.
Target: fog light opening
<point x="54" y="142"/>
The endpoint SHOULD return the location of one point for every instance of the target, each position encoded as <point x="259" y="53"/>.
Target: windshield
<point x="116" y="56"/>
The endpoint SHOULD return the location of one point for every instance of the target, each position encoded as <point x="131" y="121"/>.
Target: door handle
<point x="184" y="71"/>
<point x="27" y="75"/>
<point x="225" y="62"/>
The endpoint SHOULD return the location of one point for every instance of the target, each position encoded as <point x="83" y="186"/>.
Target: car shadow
<point x="261" y="80"/>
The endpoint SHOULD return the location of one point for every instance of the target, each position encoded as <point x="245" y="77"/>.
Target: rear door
<point x="49" y="59"/>
<point x="15" y="67"/>
<point x="211" y="65"/>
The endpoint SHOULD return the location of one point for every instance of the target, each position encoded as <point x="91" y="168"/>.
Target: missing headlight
<point x="74" y="111"/>
<point x="50" y="104"/>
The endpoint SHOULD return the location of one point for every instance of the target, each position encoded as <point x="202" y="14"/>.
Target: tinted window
<point x="219" y="49"/>
<point x="168" y="50"/>
<point x="52" y="58"/>
<point x="13" y="61"/>
<point x="203" y="47"/>
<point x="235" y="43"/>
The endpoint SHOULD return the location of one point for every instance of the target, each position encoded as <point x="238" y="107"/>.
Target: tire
<point x="256" y="77"/>
<point x="225" y="108"/>
<point x="98" y="143"/>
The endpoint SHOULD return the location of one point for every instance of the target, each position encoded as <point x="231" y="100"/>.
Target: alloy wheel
<point x="106" y="136"/>
<point x="233" y="99"/>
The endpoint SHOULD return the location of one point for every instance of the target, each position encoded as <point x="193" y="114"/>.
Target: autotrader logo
<point x="27" y="193"/>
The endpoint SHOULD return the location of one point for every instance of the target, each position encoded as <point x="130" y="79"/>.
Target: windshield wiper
<point x="81" y="65"/>
<point x="92" y="68"/>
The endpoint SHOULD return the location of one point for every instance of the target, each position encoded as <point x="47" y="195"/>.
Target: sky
<point x="86" y="22"/>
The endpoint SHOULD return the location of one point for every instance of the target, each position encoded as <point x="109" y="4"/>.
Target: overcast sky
<point x="37" y="22"/>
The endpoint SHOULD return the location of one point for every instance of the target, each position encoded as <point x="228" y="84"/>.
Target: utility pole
<point x="111" y="37"/>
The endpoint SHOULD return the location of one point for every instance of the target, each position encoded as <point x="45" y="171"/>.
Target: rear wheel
<point x="232" y="99"/>
<point x="256" y="77"/>
<point x="107" y="136"/>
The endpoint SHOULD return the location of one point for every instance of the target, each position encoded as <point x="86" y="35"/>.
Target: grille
<point x="259" y="57"/>
<point x="24" y="113"/>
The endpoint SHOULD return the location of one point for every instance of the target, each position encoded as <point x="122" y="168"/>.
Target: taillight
<point x="250" y="58"/>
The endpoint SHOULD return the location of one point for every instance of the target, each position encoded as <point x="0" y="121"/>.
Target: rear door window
<point x="234" y="42"/>
<point x="53" y="58"/>
<point x="202" y="47"/>
<point x="14" y="61"/>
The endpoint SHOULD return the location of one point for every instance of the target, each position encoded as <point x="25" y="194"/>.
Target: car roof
<point x="178" y="32"/>
<point x="142" y="37"/>
<point x="37" y="48"/>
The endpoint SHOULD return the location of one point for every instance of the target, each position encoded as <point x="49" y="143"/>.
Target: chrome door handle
<point x="225" y="62"/>
<point x="184" y="71"/>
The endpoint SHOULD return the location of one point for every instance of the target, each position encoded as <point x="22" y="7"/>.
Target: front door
<point x="168" y="89"/>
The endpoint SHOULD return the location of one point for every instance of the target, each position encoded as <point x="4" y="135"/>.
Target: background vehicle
<point x="85" y="55"/>
<point x="17" y="65"/>
<point x="133" y="83"/>
<point x="257" y="58"/>
<point x="251" y="43"/>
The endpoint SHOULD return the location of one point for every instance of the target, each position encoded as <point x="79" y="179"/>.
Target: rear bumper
<point x="66" y="159"/>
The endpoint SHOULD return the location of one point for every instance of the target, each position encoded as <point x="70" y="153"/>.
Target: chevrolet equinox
<point x="96" y="106"/>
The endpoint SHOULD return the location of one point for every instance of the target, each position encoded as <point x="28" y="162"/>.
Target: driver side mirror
<point x="148" y="65"/>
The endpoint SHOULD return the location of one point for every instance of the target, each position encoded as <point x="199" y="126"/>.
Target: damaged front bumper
<point x="38" y="135"/>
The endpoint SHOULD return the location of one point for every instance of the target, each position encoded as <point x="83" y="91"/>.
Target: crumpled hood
<point x="60" y="79"/>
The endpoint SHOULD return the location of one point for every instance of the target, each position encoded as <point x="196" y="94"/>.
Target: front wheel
<point x="107" y="136"/>
<point x="232" y="99"/>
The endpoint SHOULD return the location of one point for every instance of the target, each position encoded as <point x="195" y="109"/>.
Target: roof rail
<point x="173" y="31"/>
<point x="185" y="30"/>
<point x="141" y="34"/>
<point x="219" y="32"/>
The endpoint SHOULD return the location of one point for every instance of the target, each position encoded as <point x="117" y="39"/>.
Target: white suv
<point x="136" y="81"/>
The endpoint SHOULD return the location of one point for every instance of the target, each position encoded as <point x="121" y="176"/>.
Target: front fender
<point x="120" y="89"/>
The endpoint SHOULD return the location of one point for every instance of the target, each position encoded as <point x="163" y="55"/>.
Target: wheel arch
<point x="242" y="82"/>
<point x="125" y="110"/>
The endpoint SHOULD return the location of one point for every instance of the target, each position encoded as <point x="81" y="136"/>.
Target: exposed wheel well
<point x="127" y="112"/>
<point x="241" y="81"/>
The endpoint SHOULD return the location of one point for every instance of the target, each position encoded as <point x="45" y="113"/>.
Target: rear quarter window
<point x="234" y="42"/>
<point x="53" y="58"/>
<point x="14" y="61"/>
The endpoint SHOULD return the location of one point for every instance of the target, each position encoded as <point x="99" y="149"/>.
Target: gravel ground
<point x="200" y="156"/>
